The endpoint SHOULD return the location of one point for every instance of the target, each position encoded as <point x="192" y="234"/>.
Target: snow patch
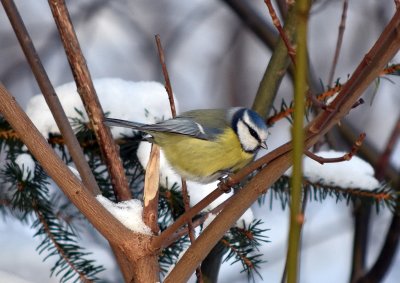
<point x="129" y="213"/>
<point x="144" y="102"/>
<point x="353" y="174"/>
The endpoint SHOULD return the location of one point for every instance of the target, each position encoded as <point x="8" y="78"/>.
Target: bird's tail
<point x="122" y="123"/>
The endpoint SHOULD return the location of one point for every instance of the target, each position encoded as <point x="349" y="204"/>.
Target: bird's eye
<point x="254" y="133"/>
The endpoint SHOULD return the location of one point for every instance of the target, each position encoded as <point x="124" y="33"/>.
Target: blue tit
<point x="203" y="145"/>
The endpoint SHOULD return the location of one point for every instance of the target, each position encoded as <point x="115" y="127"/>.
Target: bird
<point x="205" y="145"/>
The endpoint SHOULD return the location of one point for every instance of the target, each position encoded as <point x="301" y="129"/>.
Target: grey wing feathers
<point x="122" y="123"/>
<point x="178" y="126"/>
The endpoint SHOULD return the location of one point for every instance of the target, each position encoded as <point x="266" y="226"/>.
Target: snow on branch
<point x="129" y="213"/>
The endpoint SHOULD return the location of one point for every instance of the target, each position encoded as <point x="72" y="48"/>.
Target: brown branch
<point x="50" y="96"/>
<point x="342" y="27"/>
<point x="346" y="157"/>
<point x="52" y="164"/>
<point x="168" y="86"/>
<point x="277" y="23"/>
<point x="192" y="237"/>
<point x="89" y="98"/>
<point x="199" y="220"/>
<point x="384" y="49"/>
<point x="163" y="240"/>
<point x="383" y="161"/>
<point x="329" y="93"/>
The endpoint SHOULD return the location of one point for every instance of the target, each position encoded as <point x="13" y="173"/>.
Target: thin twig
<point x="346" y="157"/>
<point x="383" y="161"/>
<point x="200" y="220"/>
<point x="342" y="27"/>
<point x="162" y="240"/>
<point x="392" y="69"/>
<point x="50" y="96"/>
<point x="277" y="23"/>
<point x="185" y="194"/>
<point x="89" y="98"/>
<point x="168" y="86"/>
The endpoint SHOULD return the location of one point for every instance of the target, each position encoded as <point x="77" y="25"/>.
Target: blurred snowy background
<point x="213" y="61"/>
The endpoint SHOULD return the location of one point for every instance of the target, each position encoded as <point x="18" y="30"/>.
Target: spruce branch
<point x="242" y="244"/>
<point x="380" y="197"/>
<point x="30" y="195"/>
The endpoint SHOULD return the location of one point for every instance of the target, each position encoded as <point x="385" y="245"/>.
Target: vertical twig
<point x="185" y="194"/>
<point x="296" y="217"/>
<point x="275" y="70"/>
<point x="168" y="86"/>
<point x="50" y="96"/>
<point x="383" y="161"/>
<point x="342" y="27"/>
<point x="89" y="98"/>
<point x="285" y="38"/>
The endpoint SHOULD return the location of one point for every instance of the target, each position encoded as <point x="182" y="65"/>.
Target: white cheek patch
<point x="262" y="133"/>
<point x="249" y="143"/>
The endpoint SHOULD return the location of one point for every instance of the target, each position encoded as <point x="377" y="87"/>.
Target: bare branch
<point x="342" y="26"/>
<point x="98" y="216"/>
<point x="277" y="23"/>
<point x="50" y="96"/>
<point x="89" y="98"/>
<point x="356" y="146"/>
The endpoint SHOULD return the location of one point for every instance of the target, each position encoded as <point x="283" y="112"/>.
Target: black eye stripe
<point x="252" y="131"/>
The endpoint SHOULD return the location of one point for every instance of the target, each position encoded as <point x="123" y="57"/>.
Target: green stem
<point x="275" y="71"/>
<point x="302" y="9"/>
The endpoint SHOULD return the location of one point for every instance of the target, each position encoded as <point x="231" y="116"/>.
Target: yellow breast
<point x="203" y="160"/>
